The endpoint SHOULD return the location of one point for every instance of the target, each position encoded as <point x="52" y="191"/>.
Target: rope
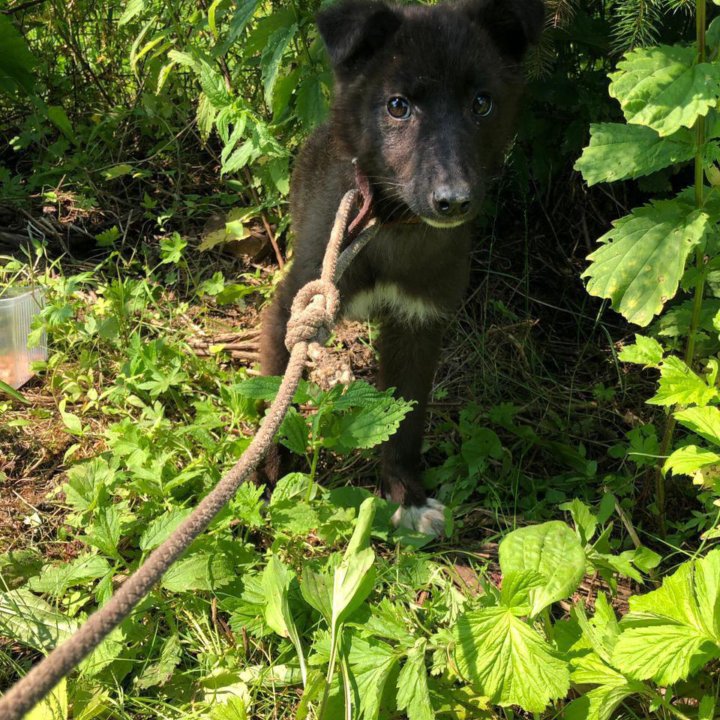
<point x="312" y="317"/>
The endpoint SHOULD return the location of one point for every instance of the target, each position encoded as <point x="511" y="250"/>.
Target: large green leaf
<point x="619" y="152"/>
<point x="662" y="88"/>
<point x="551" y="550"/>
<point x="272" y="58"/>
<point x="365" y="427"/>
<point x="29" y="620"/>
<point x="672" y="632"/>
<point x="641" y="260"/>
<point x="705" y="421"/>
<point x="16" y="61"/>
<point x="52" y="707"/>
<point x="413" y="695"/>
<point x="508" y="661"/>
<point x="688" y="459"/>
<point x="276" y="582"/>
<point x="679" y="385"/>
<point x="371" y="664"/>
<point x="57" y="579"/>
<point x="354" y="577"/>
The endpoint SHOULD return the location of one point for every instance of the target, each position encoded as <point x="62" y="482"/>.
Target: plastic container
<point x="18" y="306"/>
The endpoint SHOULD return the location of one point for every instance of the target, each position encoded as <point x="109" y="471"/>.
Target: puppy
<point x="425" y="100"/>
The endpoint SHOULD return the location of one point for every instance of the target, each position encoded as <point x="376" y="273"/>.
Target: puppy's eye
<point x="482" y="105"/>
<point x="399" y="108"/>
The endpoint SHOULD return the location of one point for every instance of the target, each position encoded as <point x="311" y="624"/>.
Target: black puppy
<point x="425" y="99"/>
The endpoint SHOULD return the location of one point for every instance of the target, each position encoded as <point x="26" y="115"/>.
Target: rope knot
<point x="313" y="313"/>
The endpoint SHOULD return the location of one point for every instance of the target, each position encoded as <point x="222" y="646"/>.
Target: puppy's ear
<point x="354" y="30"/>
<point x="514" y="25"/>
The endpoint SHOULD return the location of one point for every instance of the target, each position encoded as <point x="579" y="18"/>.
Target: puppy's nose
<point x="451" y="201"/>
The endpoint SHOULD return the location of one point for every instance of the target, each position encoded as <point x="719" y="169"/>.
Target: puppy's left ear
<point x="514" y="25"/>
<point x="354" y="30"/>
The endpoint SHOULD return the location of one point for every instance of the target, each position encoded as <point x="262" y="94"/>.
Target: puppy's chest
<point x="389" y="299"/>
<point x="413" y="275"/>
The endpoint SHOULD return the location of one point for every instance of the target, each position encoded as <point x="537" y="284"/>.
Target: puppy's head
<point x="426" y="97"/>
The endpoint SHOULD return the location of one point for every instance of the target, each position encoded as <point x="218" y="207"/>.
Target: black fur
<point x="439" y="58"/>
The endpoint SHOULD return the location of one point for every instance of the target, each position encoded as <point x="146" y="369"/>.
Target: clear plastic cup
<point x="18" y="306"/>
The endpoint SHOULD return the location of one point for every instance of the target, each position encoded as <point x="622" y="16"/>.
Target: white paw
<point x="428" y="518"/>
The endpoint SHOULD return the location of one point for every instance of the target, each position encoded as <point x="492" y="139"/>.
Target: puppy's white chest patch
<point x="390" y="298"/>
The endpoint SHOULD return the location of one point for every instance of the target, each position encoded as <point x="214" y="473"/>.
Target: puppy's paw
<point x="428" y="518"/>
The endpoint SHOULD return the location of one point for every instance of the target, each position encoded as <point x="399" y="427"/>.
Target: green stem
<point x="313" y="470"/>
<point x="700" y="265"/>
<point x="330" y="672"/>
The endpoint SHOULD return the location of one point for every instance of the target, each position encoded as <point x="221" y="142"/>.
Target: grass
<point x="530" y="377"/>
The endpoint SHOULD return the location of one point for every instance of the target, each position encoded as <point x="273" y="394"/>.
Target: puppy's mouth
<point x="445" y="224"/>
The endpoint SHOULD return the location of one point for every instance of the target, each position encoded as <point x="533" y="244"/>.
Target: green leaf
<point x="29" y="620"/>
<point x="552" y="550"/>
<point x="646" y="351"/>
<point x="601" y="702"/>
<point x="105" y="532"/>
<point x="317" y="589"/>
<point x="689" y="459"/>
<point x="161" y="671"/>
<point x="662" y="87"/>
<point x="294" y="432"/>
<point x="16" y="61"/>
<point x="619" y="152"/>
<point x="584" y="519"/>
<point x="207" y="569"/>
<point x="413" y="695"/>
<point x="55" y="580"/>
<point x="58" y="117"/>
<point x="213" y="85"/>
<point x="706" y="709"/>
<point x="517" y="588"/>
<point x="117" y="171"/>
<point x="367" y="426"/>
<point x="371" y="665"/>
<point x="679" y="385"/>
<point x="642" y="258"/>
<point x="272" y="57"/>
<point x="132" y="9"/>
<point x="311" y="104"/>
<point x="160" y="529"/>
<point x="354" y="577"/>
<point x="705" y="421"/>
<point x="13" y="393"/>
<point x="672" y="632"/>
<point x="506" y="660"/>
<point x="53" y="707"/>
<point x="244" y="13"/>
<point x="276" y="582"/>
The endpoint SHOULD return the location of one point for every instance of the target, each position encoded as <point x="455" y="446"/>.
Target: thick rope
<point x="313" y="314"/>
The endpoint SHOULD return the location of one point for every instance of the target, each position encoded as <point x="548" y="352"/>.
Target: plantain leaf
<point x="641" y="260"/>
<point x="619" y="152"/>
<point x="662" y="88"/>
<point x="551" y="550"/>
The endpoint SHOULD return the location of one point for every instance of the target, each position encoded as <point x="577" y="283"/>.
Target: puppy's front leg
<point x="408" y="359"/>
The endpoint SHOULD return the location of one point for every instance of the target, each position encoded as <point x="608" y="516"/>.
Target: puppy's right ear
<point x="354" y="30"/>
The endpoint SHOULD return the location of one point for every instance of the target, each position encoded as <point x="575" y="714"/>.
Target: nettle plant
<point x="669" y="249"/>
